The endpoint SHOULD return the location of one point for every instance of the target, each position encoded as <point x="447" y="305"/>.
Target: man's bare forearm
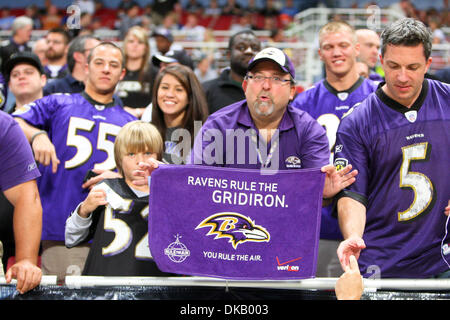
<point x="27" y="129"/>
<point x="351" y="216"/>
<point x="27" y="220"/>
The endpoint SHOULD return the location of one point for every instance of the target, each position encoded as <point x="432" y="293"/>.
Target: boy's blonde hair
<point x="336" y="26"/>
<point x="137" y="136"/>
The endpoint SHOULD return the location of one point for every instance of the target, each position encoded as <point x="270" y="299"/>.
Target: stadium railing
<point x="167" y="288"/>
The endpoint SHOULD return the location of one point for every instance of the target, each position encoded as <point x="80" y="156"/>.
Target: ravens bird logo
<point x="234" y="226"/>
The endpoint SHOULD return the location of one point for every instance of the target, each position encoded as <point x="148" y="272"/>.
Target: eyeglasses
<point x="273" y="79"/>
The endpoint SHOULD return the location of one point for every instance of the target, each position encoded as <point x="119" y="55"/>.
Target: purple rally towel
<point x="235" y="223"/>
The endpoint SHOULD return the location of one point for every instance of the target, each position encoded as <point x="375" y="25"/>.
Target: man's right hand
<point x="44" y="152"/>
<point x="140" y="176"/>
<point x="349" y="247"/>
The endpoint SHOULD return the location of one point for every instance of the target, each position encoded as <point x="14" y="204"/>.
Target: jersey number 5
<point x="421" y="184"/>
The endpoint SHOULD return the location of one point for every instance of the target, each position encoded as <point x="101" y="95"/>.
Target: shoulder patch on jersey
<point x="340" y="163"/>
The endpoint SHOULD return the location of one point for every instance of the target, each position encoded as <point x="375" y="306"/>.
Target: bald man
<point x="369" y="42"/>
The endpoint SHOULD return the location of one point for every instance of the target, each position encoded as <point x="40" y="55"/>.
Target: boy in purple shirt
<point x="393" y="218"/>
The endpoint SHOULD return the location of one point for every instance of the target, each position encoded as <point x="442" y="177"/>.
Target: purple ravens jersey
<point x="327" y="105"/>
<point x="229" y="138"/>
<point x="83" y="133"/>
<point x="120" y="235"/>
<point x="401" y="155"/>
<point x="18" y="164"/>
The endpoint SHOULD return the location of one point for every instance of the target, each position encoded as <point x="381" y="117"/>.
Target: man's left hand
<point x="28" y="275"/>
<point x="335" y="181"/>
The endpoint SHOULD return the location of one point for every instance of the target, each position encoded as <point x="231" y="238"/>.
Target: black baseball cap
<point x="173" y="56"/>
<point x="22" y="57"/>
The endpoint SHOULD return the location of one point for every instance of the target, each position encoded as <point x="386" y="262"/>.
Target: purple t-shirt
<point x="18" y="165"/>
<point x="327" y="105"/>
<point x="83" y="133"/>
<point x="402" y="156"/>
<point x="229" y="138"/>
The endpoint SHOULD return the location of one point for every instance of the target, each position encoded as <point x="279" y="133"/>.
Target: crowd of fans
<point x="195" y="18"/>
<point x="150" y="76"/>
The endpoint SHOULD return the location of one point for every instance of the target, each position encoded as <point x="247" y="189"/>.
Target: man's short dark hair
<point x="63" y="32"/>
<point x="108" y="44"/>
<point x="407" y="32"/>
<point x="245" y="31"/>
<point x="76" y="45"/>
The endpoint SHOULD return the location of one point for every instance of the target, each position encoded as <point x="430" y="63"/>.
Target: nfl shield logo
<point x="342" y="95"/>
<point x="411" y="116"/>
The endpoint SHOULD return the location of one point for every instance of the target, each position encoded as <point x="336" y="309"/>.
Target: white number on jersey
<point x="124" y="235"/>
<point x="421" y="185"/>
<point x="84" y="146"/>
<point x="331" y="123"/>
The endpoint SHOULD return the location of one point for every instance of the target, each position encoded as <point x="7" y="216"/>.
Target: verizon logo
<point x="286" y="267"/>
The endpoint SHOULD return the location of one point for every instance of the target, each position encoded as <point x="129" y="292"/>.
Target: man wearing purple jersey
<point x="17" y="181"/>
<point x="327" y="101"/>
<point x="70" y="135"/>
<point x="394" y="216"/>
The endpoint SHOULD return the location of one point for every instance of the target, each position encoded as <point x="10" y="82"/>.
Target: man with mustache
<point x="270" y="133"/>
<point x="227" y="88"/>
<point x="71" y="134"/>
<point x="393" y="218"/>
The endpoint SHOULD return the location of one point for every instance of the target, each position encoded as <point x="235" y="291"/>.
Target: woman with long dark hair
<point x="178" y="101"/>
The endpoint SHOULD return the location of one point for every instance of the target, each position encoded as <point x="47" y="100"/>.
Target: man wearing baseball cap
<point x="282" y="137"/>
<point x="26" y="78"/>
<point x="164" y="41"/>
<point x="173" y="56"/>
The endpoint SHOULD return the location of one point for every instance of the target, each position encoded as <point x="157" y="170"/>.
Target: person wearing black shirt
<point x="227" y="88"/>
